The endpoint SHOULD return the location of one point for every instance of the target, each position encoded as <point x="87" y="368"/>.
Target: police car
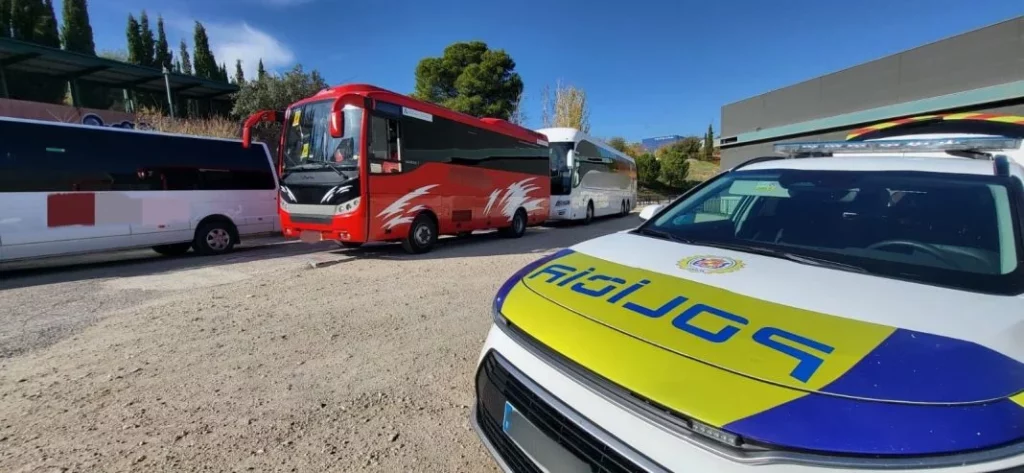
<point x="846" y="307"/>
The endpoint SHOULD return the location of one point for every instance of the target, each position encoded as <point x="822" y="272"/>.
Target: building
<point x="977" y="71"/>
<point x="651" y="144"/>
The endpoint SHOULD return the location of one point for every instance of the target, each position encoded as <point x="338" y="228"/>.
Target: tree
<point x="114" y="54"/>
<point x="518" y="115"/>
<point x="136" y="51"/>
<point x="470" y="78"/>
<point x="619" y="143"/>
<point x="148" y="42"/>
<point x="202" y="59"/>
<point x="34" y="21"/>
<point x="46" y="32"/>
<point x="186" y="60"/>
<point x="25" y="14"/>
<point x="5" y="18"/>
<point x="708" y="149"/>
<point x="239" y="73"/>
<point x="162" y="56"/>
<point x="648" y="170"/>
<point x="278" y="91"/>
<point x="673" y="158"/>
<point x="568" y="108"/>
<point x="260" y="71"/>
<point x="76" y="32"/>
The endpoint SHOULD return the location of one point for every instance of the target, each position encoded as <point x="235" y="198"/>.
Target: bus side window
<point x="385" y="153"/>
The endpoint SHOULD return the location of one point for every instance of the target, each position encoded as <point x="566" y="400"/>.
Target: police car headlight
<point x="506" y="288"/>
<point x="347" y="207"/>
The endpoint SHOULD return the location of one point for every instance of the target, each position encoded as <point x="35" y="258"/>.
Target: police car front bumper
<point x="585" y="426"/>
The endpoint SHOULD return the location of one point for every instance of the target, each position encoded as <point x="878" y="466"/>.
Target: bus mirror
<point x="253" y="120"/>
<point x="337" y="125"/>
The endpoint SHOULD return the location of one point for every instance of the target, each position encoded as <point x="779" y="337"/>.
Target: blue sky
<point x="650" y="67"/>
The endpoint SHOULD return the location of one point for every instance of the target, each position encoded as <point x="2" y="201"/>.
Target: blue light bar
<point x="901" y="146"/>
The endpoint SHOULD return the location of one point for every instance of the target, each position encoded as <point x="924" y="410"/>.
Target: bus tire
<point x="518" y="227"/>
<point x="215" y="237"/>
<point x="623" y="212"/>
<point x="176" y="249"/>
<point x="422" y="235"/>
<point x="590" y="213"/>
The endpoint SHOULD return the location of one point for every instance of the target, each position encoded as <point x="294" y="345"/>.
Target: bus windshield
<point x="561" y="176"/>
<point x="308" y="142"/>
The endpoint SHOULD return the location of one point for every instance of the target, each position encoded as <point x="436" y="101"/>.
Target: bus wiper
<point x="803" y="259"/>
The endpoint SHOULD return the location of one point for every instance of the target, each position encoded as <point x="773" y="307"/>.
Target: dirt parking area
<point x="254" y="361"/>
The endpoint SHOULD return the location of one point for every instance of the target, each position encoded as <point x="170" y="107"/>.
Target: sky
<point x="649" y="67"/>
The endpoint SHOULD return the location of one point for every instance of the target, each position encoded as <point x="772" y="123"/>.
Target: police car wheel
<point x="422" y="235"/>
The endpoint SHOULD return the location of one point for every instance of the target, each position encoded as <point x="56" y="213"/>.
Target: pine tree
<point x="136" y="54"/>
<point x="163" y="57"/>
<point x="223" y="74"/>
<point x="5" y="18"/>
<point x="205" y="64"/>
<point x="260" y="71"/>
<point x="186" y="60"/>
<point x="239" y="73"/>
<point x="76" y="32"/>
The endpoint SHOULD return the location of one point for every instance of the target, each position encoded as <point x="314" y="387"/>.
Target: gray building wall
<point x="977" y="59"/>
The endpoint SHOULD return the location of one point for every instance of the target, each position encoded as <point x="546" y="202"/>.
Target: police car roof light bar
<point x="972" y="144"/>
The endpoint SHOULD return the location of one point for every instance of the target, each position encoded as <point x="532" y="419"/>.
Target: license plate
<point x="546" y="453"/>
<point x="311" y="237"/>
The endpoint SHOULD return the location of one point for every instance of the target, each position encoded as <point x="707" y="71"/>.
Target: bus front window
<point x="308" y="142"/>
<point x="561" y="174"/>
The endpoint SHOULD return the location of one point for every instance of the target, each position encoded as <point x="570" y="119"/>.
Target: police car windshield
<point x="957" y="231"/>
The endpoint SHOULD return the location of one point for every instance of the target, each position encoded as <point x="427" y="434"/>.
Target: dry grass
<point x="217" y="127"/>
<point x="702" y="170"/>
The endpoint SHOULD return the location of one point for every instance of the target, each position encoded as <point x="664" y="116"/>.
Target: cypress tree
<point x="135" y="52"/>
<point x="260" y="71"/>
<point x="5" y="18"/>
<point x="204" y="62"/>
<point x="76" y="33"/>
<point x="148" y="42"/>
<point x="164" y="57"/>
<point x="46" y="32"/>
<point x="24" y="16"/>
<point x="186" y="60"/>
<point x="709" y="144"/>
<point x="239" y="73"/>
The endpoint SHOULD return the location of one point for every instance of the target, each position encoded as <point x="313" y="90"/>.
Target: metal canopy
<point x="21" y="56"/>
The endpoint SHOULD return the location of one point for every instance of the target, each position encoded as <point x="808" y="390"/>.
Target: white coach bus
<point x="588" y="178"/>
<point x="68" y="189"/>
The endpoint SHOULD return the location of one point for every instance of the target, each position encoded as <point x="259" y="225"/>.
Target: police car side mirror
<point x="649" y="211"/>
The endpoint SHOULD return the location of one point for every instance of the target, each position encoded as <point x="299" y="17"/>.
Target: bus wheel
<point x="176" y="249"/>
<point x="422" y="235"/>
<point x="623" y="212"/>
<point x="590" y="213"/>
<point x="518" y="227"/>
<point x="214" y="237"/>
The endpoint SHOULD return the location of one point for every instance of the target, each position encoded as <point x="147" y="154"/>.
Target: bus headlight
<point x="347" y="207"/>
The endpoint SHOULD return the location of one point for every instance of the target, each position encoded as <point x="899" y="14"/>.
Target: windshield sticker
<point x="296" y="114"/>
<point x="758" y="189"/>
<point x="706" y="264"/>
<point x="417" y="114"/>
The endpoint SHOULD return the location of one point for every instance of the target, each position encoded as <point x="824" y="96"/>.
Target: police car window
<point x="948" y="230"/>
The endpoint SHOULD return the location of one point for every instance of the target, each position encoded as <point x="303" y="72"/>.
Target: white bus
<point x="588" y="178"/>
<point x="69" y="189"/>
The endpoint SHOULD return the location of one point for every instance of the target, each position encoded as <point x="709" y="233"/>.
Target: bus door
<point x="385" y="184"/>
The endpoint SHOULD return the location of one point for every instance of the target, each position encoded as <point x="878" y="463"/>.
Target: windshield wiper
<point x="803" y="259"/>
<point x="661" y="234"/>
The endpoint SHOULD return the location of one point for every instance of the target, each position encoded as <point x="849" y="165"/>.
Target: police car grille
<point x="495" y="386"/>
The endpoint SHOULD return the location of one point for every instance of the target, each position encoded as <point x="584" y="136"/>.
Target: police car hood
<point x="750" y="343"/>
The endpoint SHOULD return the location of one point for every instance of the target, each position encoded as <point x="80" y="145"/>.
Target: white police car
<point x="846" y="313"/>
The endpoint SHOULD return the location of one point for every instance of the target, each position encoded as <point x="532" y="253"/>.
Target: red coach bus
<point x="360" y="164"/>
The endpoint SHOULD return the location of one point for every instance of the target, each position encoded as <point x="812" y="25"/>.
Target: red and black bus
<point x="361" y="164"/>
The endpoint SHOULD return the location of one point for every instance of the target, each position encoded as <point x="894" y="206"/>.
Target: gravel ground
<point x="254" y="361"/>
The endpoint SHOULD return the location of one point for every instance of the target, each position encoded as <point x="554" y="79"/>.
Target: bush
<point x="217" y="127"/>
